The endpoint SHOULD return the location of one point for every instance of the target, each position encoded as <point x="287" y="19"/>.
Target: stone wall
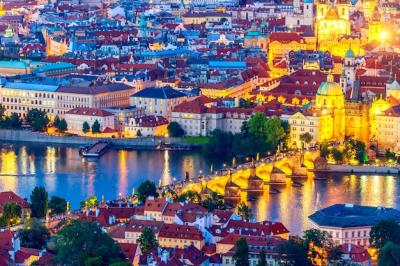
<point x="134" y="143"/>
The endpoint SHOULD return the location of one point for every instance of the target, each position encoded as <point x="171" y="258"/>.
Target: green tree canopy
<point x="11" y="214"/>
<point x="56" y="122"/>
<point x="219" y="144"/>
<point x="37" y="119"/>
<point x="385" y="231"/>
<point x="147" y="240"/>
<point x="244" y="211"/>
<point x="33" y="235"/>
<point x="292" y="253"/>
<point x="214" y="202"/>
<point x="79" y="243"/>
<point x="189" y="195"/>
<point x="175" y="130"/>
<point x="85" y="127"/>
<point x="62" y="125"/>
<point x="57" y="205"/>
<point x="241" y="255"/>
<point x="96" y="127"/>
<point x="39" y="202"/>
<point x="389" y="255"/>
<point x="146" y="189"/>
<point x="306" y="137"/>
<point x="89" y="202"/>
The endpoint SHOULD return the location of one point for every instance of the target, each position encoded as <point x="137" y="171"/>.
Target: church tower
<point x="375" y="26"/>
<point x="330" y="100"/>
<point x="349" y="67"/>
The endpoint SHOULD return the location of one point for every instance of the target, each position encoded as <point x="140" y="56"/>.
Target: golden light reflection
<point x="8" y="170"/>
<point x="123" y="173"/>
<point x="166" y="175"/>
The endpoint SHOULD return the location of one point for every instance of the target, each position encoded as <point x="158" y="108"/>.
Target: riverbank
<point x="142" y="143"/>
<point x="360" y="169"/>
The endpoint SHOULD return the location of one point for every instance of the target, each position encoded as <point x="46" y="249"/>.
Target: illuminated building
<point x="2" y="11"/>
<point x="348" y="223"/>
<point x="332" y="21"/>
<point x="158" y="100"/>
<point x="255" y="39"/>
<point x="388" y="135"/>
<point x="375" y="27"/>
<point x="357" y="120"/>
<point x="393" y="89"/>
<point x="378" y="107"/>
<point x="147" y="126"/>
<point x="323" y="121"/>
<point x="281" y="43"/>
<point x="369" y="7"/>
<point x="330" y="99"/>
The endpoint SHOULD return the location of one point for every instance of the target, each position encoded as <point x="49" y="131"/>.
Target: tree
<point x="90" y="202"/>
<point x="390" y="155"/>
<point x="33" y="235"/>
<point x="389" y="255"/>
<point x="244" y="211"/>
<point x="292" y="253"/>
<point x="120" y="263"/>
<point x="219" y="144"/>
<point x="189" y="195"/>
<point x="241" y="255"/>
<point x="57" y="205"/>
<point x="11" y="214"/>
<point x="337" y="155"/>
<point x="324" y="150"/>
<point x="56" y="122"/>
<point x="12" y="122"/>
<point x="79" y="243"/>
<point x="85" y="127"/>
<point x="62" y="125"/>
<point x="147" y="240"/>
<point x="96" y="127"/>
<point x="385" y="231"/>
<point x="146" y="189"/>
<point x="306" y="138"/>
<point x="37" y="119"/>
<point x="175" y="130"/>
<point x="39" y="202"/>
<point x="215" y="202"/>
<point x="138" y="133"/>
<point x="319" y="243"/>
<point x="262" y="261"/>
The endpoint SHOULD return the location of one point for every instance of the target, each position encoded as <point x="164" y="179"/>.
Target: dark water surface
<point x="64" y="173"/>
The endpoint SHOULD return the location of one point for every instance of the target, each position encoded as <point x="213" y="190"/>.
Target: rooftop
<point x="166" y="92"/>
<point x="349" y="215"/>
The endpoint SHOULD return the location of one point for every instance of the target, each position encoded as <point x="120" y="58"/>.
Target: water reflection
<point x="64" y="173"/>
<point x="294" y="204"/>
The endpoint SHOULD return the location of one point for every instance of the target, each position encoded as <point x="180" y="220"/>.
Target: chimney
<point x="97" y="212"/>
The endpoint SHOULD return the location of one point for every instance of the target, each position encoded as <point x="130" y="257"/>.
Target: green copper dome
<point x="330" y="88"/>
<point x="350" y="53"/>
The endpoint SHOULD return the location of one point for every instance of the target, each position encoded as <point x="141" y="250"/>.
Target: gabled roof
<point x="166" y="92"/>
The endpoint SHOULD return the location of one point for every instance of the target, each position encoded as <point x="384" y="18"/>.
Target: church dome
<point x="393" y="86"/>
<point x="349" y="53"/>
<point x="330" y="88"/>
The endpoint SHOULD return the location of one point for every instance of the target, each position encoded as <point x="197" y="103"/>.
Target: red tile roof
<point x="178" y="231"/>
<point x="285" y="37"/>
<point x="86" y="111"/>
<point x="9" y="196"/>
<point x="356" y="253"/>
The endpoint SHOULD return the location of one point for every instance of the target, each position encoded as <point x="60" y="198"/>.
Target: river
<point x="64" y="173"/>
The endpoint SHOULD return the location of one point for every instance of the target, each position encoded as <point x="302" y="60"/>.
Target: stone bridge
<point x="272" y="173"/>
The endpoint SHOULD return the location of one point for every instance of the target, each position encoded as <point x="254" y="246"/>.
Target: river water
<point x="64" y="173"/>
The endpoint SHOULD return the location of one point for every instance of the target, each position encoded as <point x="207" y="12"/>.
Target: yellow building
<point x="369" y="7"/>
<point x="333" y="25"/>
<point x="330" y="100"/>
<point x="2" y="11"/>
<point x="377" y="108"/>
<point x="325" y="121"/>
<point x="357" y="120"/>
<point x="375" y="27"/>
